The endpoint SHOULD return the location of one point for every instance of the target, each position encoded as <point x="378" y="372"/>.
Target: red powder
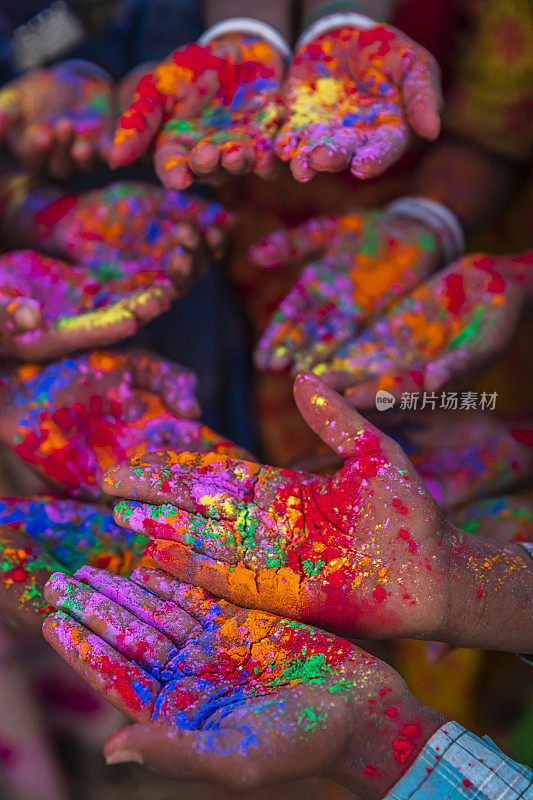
<point x="379" y="594"/>
<point x="455" y="293"/>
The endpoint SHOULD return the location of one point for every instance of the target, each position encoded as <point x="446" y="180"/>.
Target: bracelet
<point x="333" y="22"/>
<point x="251" y="26"/>
<point x="334" y="8"/>
<point x="436" y="216"/>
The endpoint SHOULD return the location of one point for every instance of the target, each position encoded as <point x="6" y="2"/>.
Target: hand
<point x="72" y="419"/>
<point x="58" y="119"/>
<point x="221" y="694"/>
<point x="49" y="308"/>
<point x="462" y="455"/>
<point x="133" y="222"/>
<point x="352" y="96"/>
<point x="218" y="107"/>
<point x="368" y="552"/>
<point x="447" y="329"/>
<point x="41" y="535"/>
<point x="367" y="259"/>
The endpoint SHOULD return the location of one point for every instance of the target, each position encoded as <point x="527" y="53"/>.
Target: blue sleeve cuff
<point x="457" y="764"/>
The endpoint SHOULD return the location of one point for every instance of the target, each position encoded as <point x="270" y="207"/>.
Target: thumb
<point x="213" y="757"/>
<point x="19" y="314"/>
<point x="336" y="422"/>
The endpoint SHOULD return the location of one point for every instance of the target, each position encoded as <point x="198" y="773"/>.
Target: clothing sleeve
<point x="457" y="764"/>
<point x="491" y="98"/>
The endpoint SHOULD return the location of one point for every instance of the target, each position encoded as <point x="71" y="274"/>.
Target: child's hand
<point x="448" y="328"/>
<point x="222" y="694"/>
<point x="58" y="119"/>
<point x="217" y="107"/>
<point x="49" y="308"/>
<point x="367" y="259"/>
<point x="367" y="552"/>
<point x="134" y="222"/>
<point x="352" y="97"/>
<point x="41" y="535"/>
<point x="74" y="418"/>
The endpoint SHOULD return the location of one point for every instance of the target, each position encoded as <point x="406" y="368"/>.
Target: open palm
<point x="224" y="694"/>
<point x="360" y="552"/>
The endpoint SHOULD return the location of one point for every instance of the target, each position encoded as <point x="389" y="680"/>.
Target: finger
<point x="208" y="483"/>
<point x="385" y="146"/>
<point x="331" y="158"/>
<point x="191" y="600"/>
<point x="171" y="162"/>
<point x="204" y="158"/>
<point x="138" y="124"/>
<point x="186" y="755"/>
<point x="114" y="624"/>
<point x="124" y="684"/>
<point x="221" y="540"/>
<point x="301" y="168"/>
<point x="166" y="617"/>
<point x="422" y="94"/>
<point x="19" y="314"/>
<point x="98" y="328"/>
<point x="266" y="165"/>
<point x="276" y="590"/>
<point x="336" y="422"/>
<point x="175" y="384"/>
<point x="238" y="157"/>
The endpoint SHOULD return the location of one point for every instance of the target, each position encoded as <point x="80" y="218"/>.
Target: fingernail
<point x="124" y="757"/>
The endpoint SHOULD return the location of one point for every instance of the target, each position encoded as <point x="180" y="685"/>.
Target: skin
<point x="42" y="535"/>
<point x="127" y="221"/>
<point x="71" y="419"/>
<point x="353" y="97"/>
<point x="366" y="261"/>
<point x="448" y="328"/>
<point x="367" y="552"/>
<point x="504" y="519"/>
<point x="49" y="308"/>
<point x="57" y="119"/>
<point x="214" y="108"/>
<point x="227" y="695"/>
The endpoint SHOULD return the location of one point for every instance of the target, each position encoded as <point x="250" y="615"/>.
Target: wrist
<point x="437" y="218"/>
<point x="384" y="743"/>
<point x="490" y="597"/>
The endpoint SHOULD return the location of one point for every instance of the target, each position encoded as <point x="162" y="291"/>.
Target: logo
<point x="384" y="400"/>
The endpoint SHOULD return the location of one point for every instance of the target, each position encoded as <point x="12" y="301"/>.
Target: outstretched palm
<point x="360" y="552"/>
<point x="240" y="697"/>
